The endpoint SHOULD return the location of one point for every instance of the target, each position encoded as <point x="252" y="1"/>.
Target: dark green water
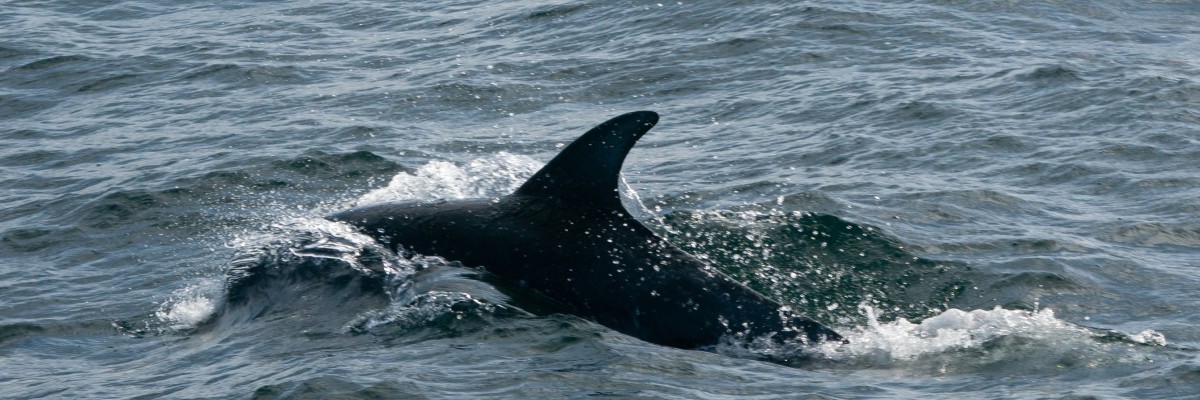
<point x="991" y="199"/>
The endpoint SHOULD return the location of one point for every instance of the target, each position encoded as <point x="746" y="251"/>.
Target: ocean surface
<point x="990" y="199"/>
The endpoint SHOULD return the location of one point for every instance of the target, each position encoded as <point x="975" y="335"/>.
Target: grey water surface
<point x="991" y="199"/>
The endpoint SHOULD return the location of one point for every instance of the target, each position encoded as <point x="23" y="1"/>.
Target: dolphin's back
<point x="565" y="235"/>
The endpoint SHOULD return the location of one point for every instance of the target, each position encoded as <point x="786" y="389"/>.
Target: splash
<point x="957" y="330"/>
<point x="819" y="264"/>
<point x="485" y="177"/>
<point x="294" y="238"/>
<point x="190" y="305"/>
<point x="1149" y="337"/>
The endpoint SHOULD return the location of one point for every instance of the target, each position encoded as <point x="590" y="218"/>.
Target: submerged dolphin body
<point x="565" y="235"/>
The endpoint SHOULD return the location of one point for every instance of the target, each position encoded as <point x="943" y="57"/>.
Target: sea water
<point x="988" y="199"/>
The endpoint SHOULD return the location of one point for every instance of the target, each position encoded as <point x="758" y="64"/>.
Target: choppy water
<point x="990" y="199"/>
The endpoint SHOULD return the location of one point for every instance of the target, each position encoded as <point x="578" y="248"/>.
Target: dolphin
<point x="564" y="235"/>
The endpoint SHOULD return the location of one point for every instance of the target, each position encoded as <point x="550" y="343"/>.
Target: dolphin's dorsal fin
<point x="586" y="170"/>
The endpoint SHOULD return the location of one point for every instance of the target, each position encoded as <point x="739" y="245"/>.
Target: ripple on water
<point x="1047" y="147"/>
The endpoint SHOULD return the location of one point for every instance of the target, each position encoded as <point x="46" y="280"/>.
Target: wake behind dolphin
<point x="564" y="235"/>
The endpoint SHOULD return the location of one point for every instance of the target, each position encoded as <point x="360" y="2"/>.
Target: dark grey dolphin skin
<point x="565" y="235"/>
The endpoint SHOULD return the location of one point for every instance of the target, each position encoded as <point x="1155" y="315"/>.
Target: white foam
<point x="490" y="176"/>
<point x="1150" y="337"/>
<point x="191" y="305"/>
<point x="956" y="329"/>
